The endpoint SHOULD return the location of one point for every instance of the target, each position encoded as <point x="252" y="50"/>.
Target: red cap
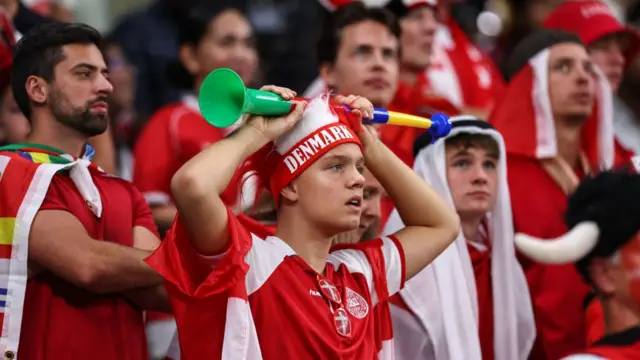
<point x="590" y="20"/>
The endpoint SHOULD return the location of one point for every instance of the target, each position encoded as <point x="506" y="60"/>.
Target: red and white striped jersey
<point x="259" y="300"/>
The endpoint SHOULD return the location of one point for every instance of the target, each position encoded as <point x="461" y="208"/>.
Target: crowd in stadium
<point x="135" y="224"/>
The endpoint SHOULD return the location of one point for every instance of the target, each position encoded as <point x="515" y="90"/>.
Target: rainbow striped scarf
<point x="26" y="171"/>
<point x="45" y="154"/>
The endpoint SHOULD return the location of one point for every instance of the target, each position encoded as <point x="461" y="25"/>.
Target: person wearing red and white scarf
<point x="236" y="296"/>
<point x="556" y="120"/>
<point x="73" y="238"/>
<point x="612" y="46"/>
<point x="473" y="301"/>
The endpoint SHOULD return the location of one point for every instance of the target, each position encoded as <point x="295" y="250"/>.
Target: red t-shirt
<point x="289" y="316"/>
<point x="173" y="135"/>
<point x="624" y="345"/>
<point x="61" y="319"/>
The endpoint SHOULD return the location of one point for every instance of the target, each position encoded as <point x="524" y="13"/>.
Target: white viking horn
<point x="568" y="248"/>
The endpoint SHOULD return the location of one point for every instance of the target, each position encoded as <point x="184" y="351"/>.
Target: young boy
<point x="237" y="296"/>
<point x="473" y="301"/>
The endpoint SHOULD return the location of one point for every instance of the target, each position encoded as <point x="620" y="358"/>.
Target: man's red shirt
<point x="61" y="319"/>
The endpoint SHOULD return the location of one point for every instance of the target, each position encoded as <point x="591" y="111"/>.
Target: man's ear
<point x="602" y="273"/>
<point x="37" y="89"/>
<point x="188" y="58"/>
<point x="290" y="192"/>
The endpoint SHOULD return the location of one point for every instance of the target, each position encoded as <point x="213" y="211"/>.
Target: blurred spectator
<point x="125" y="121"/>
<point x="460" y="71"/>
<point x="14" y="127"/>
<point x="149" y="39"/>
<point x="345" y="65"/>
<point x="611" y="47"/>
<point x="415" y="94"/>
<point x="555" y="134"/>
<point x="54" y="9"/>
<point x="214" y="35"/>
<point x="23" y="17"/>
<point x="358" y="53"/>
<point x="608" y="40"/>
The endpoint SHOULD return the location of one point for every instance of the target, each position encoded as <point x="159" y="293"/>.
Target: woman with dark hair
<point x="124" y="119"/>
<point x="215" y="34"/>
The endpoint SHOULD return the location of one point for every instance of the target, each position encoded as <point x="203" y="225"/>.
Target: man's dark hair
<point x="532" y="44"/>
<point x="353" y="13"/>
<point x="192" y="28"/>
<point x="40" y="50"/>
<point x="464" y="141"/>
<point x="193" y="25"/>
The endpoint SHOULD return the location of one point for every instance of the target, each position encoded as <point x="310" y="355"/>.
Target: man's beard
<point x="79" y="118"/>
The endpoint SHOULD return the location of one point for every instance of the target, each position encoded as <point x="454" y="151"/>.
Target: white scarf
<point x="34" y="184"/>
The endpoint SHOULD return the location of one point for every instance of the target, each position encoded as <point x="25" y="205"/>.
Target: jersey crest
<point x="356" y="304"/>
